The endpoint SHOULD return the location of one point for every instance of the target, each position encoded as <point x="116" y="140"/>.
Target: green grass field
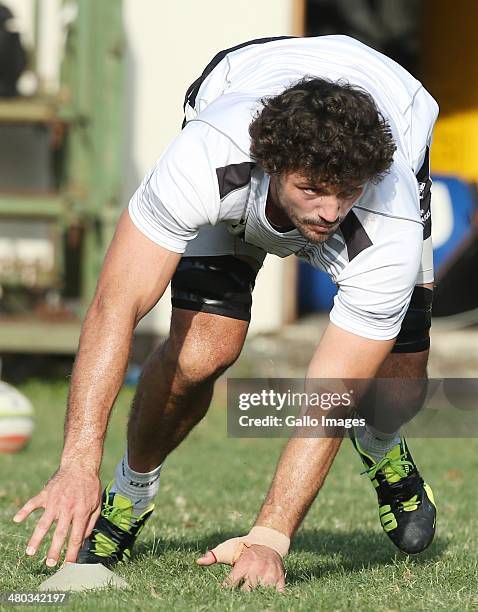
<point x="211" y="489"/>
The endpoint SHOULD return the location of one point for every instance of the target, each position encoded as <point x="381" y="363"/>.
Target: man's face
<point x="316" y="210"/>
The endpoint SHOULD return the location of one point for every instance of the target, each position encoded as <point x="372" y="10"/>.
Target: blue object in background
<point x="316" y="290"/>
<point x="133" y="374"/>
<point x="453" y="205"/>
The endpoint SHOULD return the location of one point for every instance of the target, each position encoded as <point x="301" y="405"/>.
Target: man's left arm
<point x="302" y="468"/>
<point x="374" y="291"/>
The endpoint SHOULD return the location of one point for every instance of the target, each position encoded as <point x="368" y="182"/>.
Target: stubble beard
<point x="304" y="226"/>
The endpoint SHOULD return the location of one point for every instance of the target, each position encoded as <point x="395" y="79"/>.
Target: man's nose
<point x="329" y="209"/>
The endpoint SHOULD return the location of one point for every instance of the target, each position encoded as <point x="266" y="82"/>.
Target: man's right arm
<point x="135" y="274"/>
<point x="180" y="194"/>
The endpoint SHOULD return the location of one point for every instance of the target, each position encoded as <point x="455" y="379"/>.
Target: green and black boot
<point x="114" y="532"/>
<point x="406" y="505"/>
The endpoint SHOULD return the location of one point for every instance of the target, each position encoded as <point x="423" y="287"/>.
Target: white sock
<point x="140" y="487"/>
<point x="376" y="443"/>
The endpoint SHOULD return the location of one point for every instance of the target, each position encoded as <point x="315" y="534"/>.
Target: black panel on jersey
<point x="424" y="188"/>
<point x="193" y="89"/>
<point x="233" y="177"/>
<point x="356" y="238"/>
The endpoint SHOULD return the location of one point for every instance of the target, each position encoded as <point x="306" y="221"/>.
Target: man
<point x="306" y="146"/>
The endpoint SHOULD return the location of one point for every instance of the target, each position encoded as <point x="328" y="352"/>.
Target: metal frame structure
<point x="87" y="118"/>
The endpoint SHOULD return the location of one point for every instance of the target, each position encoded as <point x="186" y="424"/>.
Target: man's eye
<point x="309" y="190"/>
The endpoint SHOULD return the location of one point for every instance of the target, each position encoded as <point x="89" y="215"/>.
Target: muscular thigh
<point x="211" y="298"/>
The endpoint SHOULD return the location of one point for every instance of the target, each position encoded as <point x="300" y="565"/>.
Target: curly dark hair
<point x="331" y="132"/>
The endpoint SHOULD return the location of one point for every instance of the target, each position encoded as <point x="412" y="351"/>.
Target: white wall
<point x="169" y="44"/>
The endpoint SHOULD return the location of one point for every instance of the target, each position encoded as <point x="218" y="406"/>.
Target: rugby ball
<point x="16" y="419"/>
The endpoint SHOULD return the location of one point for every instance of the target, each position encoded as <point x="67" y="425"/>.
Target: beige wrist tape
<point x="230" y="550"/>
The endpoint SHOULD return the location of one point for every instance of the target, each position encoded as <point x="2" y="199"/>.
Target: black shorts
<point x="223" y="286"/>
<point x="219" y="285"/>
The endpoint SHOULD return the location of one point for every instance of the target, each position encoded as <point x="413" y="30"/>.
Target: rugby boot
<point x="406" y="505"/>
<point x="114" y="532"/>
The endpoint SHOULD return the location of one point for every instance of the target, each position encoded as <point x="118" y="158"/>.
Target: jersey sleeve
<point x="180" y="193"/>
<point x="376" y="287"/>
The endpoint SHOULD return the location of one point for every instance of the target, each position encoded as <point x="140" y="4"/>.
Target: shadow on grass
<point x="339" y="552"/>
<point x="336" y="552"/>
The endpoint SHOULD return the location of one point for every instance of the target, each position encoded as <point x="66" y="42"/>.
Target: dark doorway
<point x="389" y="26"/>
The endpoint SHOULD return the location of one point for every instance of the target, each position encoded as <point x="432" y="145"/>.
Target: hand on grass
<point x="256" y="565"/>
<point x="71" y="499"/>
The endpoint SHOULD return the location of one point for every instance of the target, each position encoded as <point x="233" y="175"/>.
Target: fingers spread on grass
<point x="92" y="520"/>
<point x="59" y="537"/>
<point x="32" y="504"/>
<point x="234" y="579"/>
<point x="76" y="538"/>
<point x="251" y="582"/>
<point x="273" y="578"/>
<point x="257" y="567"/>
<point x="280" y="586"/>
<point x="263" y="579"/>
<point x="42" y="528"/>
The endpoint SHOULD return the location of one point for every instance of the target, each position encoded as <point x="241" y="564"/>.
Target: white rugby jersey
<point x="207" y="177"/>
